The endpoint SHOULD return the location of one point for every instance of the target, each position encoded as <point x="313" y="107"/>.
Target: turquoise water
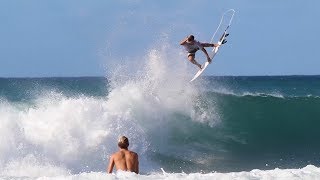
<point x="227" y="124"/>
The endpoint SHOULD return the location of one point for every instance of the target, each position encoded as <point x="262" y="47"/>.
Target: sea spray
<point x="224" y="124"/>
<point x="74" y="131"/>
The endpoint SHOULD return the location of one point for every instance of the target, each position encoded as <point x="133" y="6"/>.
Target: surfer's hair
<point x="123" y="142"/>
<point x="191" y="38"/>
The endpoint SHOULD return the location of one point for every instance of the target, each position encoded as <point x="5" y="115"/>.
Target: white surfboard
<point x="220" y="42"/>
<point x="200" y="71"/>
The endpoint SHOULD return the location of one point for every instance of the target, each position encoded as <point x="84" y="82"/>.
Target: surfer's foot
<point x="199" y="66"/>
<point x="210" y="61"/>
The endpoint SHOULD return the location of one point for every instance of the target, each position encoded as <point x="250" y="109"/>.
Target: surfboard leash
<point x="221" y="20"/>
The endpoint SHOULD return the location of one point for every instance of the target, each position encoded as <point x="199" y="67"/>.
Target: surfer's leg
<point x="193" y="61"/>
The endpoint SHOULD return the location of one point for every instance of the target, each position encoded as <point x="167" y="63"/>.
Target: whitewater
<point x="66" y="128"/>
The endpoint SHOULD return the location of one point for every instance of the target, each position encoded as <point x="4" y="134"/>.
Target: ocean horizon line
<point x="41" y="77"/>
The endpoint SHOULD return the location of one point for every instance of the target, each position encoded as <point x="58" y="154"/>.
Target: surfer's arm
<point x="111" y="164"/>
<point x="216" y="45"/>
<point x="184" y="41"/>
<point x="209" y="45"/>
<point x="205" y="52"/>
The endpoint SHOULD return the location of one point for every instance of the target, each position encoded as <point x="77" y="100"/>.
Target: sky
<point x="46" y="38"/>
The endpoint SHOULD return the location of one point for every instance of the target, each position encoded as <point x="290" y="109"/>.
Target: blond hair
<point x="123" y="142"/>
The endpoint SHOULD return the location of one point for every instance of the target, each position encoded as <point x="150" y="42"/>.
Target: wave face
<point x="68" y="127"/>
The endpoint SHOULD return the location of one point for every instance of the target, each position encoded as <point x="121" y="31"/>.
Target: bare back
<point x="124" y="160"/>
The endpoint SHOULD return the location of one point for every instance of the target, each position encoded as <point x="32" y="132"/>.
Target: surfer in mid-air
<point x="192" y="46"/>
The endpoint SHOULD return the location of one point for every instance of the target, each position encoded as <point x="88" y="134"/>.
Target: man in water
<point x="192" y="46"/>
<point x="124" y="159"/>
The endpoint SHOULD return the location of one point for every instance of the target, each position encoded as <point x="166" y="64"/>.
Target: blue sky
<point x="78" y="37"/>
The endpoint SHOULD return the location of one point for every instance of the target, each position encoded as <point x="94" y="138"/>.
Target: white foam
<point x="31" y="167"/>
<point x="162" y="86"/>
<point x="224" y="90"/>
<point x="309" y="172"/>
<point x="8" y="132"/>
<point x="275" y="94"/>
<point x="78" y="134"/>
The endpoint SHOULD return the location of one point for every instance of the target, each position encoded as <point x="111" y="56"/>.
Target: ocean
<point x="220" y="127"/>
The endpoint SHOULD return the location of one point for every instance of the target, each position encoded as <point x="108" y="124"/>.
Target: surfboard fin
<point x="224" y="41"/>
<point x="226" y="35"/>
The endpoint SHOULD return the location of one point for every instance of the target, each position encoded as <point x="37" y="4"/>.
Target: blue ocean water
<point x="217" y="127"/>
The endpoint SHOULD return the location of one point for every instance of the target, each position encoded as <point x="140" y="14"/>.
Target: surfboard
<point x="221" y="41"/>
<point x="200" y="71"/>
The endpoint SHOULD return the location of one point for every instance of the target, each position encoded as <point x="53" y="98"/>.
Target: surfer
<point x="124" y="159"/>
<point x="192" y="46"/>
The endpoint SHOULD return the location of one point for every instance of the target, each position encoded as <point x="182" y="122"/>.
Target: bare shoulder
<point x="133" y="153"/>
<point x="116" y="155"/>
<point x="112" y="155"/>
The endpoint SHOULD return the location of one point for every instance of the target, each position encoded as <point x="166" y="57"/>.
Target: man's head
<point x="123" y="142"/>
<point x="190" y="38"/>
